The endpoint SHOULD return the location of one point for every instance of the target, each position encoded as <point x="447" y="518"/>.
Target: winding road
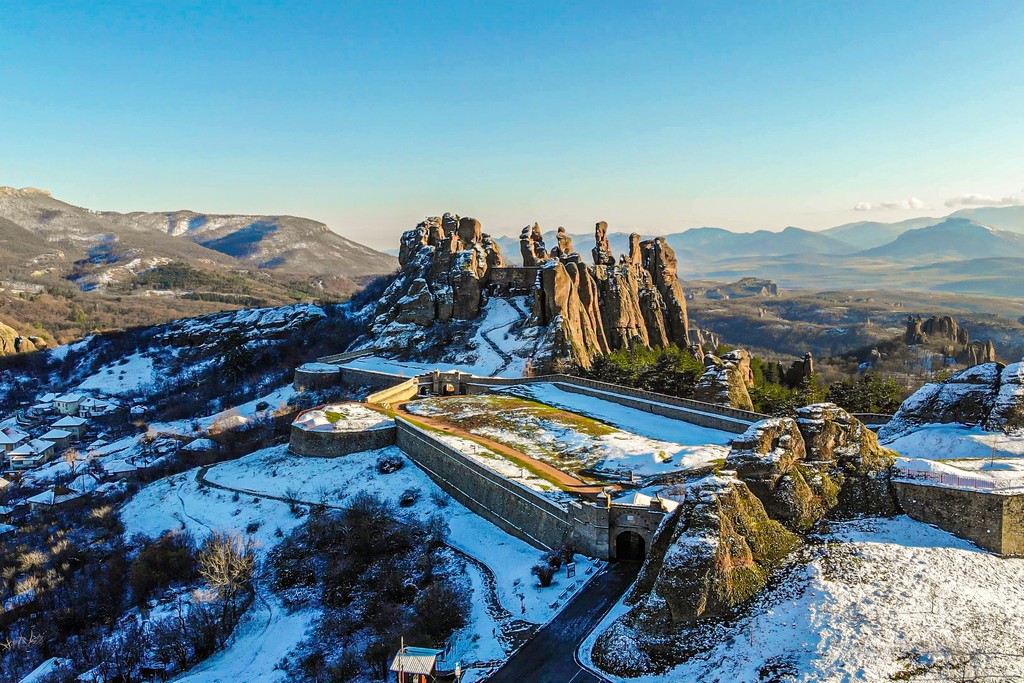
<point x="550" y="657"/>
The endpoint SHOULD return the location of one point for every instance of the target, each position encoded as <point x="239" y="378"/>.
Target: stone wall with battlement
<point x="512" y="280"/>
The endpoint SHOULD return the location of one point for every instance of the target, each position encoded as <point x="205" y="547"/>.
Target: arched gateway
<point x="630" y="546"/>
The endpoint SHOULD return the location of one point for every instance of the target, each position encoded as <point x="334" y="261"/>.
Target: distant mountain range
<point x="951" y="253"/>
<point x="111" y="246"/>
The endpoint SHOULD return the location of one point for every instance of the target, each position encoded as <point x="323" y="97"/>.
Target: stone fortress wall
<point x="989" y="519"/>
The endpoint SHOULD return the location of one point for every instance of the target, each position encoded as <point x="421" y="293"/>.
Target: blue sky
<point x="652" y="116"/>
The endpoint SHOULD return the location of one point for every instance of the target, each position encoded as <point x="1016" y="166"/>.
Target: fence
<point x="955" y="480"/>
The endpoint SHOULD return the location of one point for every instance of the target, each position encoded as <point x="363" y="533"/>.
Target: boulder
<point x="967" y="398"/>
<point x="725" y="380"/>
<point x="825" y="462"/>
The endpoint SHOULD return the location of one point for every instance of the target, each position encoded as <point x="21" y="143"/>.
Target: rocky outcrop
<point x="593" y="310"/>
<point x="583" y="310"/>
<point x="743" y="288"/>
<point x="946" y="335"/>
<point x="714" y="553"/>
<point x="11" y="342"/>
<point x="824" y="462"/>
<point x="531" y="245"/>
<point x="726" y="380"/>
<point x="445" y="261"/>
<point x="989" y="395"/>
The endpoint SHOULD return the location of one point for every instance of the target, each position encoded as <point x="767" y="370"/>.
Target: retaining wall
<point x="992" y="521"/>
<point x="314" y="381"/>
<point x="507" y="504"/>
<point x="512" y="280"/>
<point x="399" y="392"/>
<point x="319" y="444"/>
<point x="696" y="412"/>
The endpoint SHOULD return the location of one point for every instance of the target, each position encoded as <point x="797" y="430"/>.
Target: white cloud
<point x="974" y="199"/>
<point x="896" y="205"/>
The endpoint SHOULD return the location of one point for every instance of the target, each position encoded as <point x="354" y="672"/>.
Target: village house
<point x="61" y="438"/>
<point x="11" y="438"/>
<point x="55" y="497"/>
<point x="32" y="454"/>
<point x="70" y="423"/>
<point x="67" y="404"/>
<point x="45" y="403"/>
<point x="94" y="407"/>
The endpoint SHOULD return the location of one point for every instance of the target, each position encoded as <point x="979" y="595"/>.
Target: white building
<point x="11" y="438"/>
<point x="67" y="404"/>
<point x="31" y="454"/>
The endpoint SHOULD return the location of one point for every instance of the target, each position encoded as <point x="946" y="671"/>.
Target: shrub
<point x="544" y="572"/>
<point x="409" y="497"/>
<point x="389" y="464"/>
<point x="169" y="559"/>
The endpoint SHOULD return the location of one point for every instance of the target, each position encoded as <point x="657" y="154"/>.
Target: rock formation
<point x="726" y="380"/>
<point x="581" y="310"/>
<point x="731" y="530"/>
<point x="713" y="553"/>
<point x="11" y="342"/>
<point x="989" y="395"/>
<point x="592" y="310"/>
<point x="444" y="263"/>
<point x="950" y="338"/>
<point x="825" y="460"/>
<point x="531" y="244"/>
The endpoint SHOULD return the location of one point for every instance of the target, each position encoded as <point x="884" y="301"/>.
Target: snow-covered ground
<point x="494" y="327"/>
<point x="989" y="457"/>
<point x="566" y="440"/>
<point x="132" y="375"/>
<point x="884" y="596"/>
<point x="691" y="445"/>
<point x="342" y="417"/>
<point x="180" y="502"/>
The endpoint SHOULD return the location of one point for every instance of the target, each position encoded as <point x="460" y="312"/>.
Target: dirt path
<point x="562" y="480"/>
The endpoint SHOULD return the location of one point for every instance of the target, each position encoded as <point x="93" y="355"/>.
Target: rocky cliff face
<point x="583" y="310"/>
<point x="954" y="341"/>
<point x="592" y="310"/>
<point x="989" y="395"/>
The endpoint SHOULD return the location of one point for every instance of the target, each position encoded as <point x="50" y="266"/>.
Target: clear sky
<point x="653" y="116"/>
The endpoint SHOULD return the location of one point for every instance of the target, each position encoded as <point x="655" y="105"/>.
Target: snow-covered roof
<point x="198" y="445"/>
<point x="415" y="660"/>
<point x="84" y="483"/>
<point x="70" y="421"/>
<point x="643" y="500"/>
<point x="119" y="467"/>
<point x="51" y="497"/>
<point x="12" y="435"/>
<point x="4" y="483"/>
<point x="72" y="397"/>
<point x="6" y="529"/>
<point x="56" y="435"/>
<point x="5" y="510"/>
<point x="33" y="447"/>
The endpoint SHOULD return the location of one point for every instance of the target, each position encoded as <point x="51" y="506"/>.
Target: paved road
<point x="551" y="656"/>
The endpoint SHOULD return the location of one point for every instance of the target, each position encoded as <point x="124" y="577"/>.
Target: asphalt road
<point x="550" y="657"/>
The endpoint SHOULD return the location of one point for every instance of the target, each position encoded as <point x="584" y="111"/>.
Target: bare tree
<point x="228" y="565"/>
